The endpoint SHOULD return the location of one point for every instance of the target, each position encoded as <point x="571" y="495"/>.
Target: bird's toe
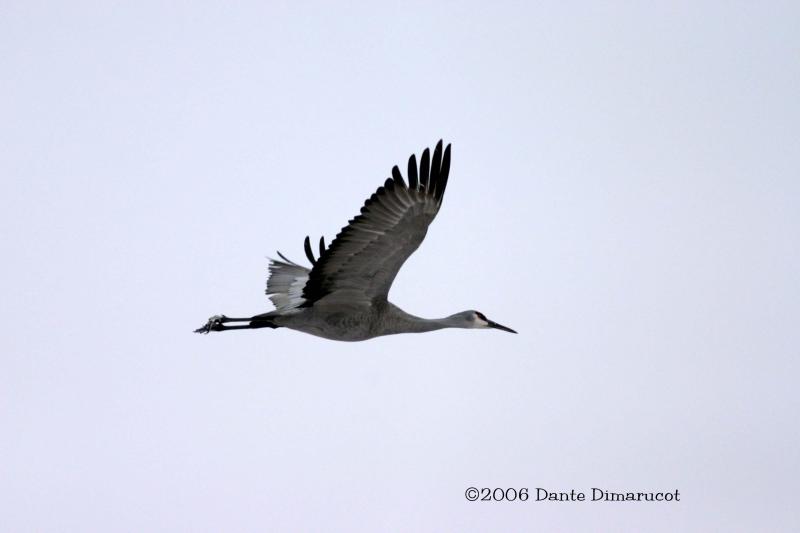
<point x="213" y="324"/>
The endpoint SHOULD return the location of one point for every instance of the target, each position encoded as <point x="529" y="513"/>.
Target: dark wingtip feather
<point x="444" y="174"/>
<point x="307" y="247"/>
<point x="413" y="183"/>
<point x="425" y="168"/>
<point x="436" y="168"/>
<point x="398" y="178"/>
<point x="321" y="245"/>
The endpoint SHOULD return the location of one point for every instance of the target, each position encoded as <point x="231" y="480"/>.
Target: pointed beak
<point x="495" y="325"/>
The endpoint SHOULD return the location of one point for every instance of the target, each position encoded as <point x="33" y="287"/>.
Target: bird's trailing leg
<point x="217" y="323"/>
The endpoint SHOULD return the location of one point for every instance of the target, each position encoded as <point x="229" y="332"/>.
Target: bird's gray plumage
<point x="344" y="296"/>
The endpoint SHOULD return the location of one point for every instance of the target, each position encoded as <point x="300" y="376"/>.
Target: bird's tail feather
<point x="285" y="284"/>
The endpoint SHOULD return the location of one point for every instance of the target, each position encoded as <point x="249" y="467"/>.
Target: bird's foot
<point x="214" y="324"/>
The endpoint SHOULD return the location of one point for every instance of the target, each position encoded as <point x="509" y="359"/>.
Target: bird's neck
<point x="401" y="322"/>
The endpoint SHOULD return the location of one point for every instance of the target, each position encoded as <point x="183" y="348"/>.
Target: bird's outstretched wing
<point x="364" y="258"/>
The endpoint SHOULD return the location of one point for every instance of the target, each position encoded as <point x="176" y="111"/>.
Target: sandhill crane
<point x="344" y="296"/>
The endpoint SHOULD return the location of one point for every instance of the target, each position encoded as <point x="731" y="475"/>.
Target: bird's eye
<point x="480" y="315"/>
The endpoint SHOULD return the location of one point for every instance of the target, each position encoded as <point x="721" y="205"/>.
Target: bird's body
<point x="344" y="296"/>
<point x="356" y="324"/>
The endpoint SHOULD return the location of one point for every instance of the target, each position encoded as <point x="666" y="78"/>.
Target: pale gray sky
<point x="625" y="192"/>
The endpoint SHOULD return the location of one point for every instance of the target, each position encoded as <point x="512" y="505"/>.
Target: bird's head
<point x="476" y="319"/>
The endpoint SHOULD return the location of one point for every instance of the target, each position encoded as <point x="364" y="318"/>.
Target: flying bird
<point x="344" y="295"/>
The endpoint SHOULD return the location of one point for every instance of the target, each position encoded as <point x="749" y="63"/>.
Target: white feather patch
<point x="285" y="284"/>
